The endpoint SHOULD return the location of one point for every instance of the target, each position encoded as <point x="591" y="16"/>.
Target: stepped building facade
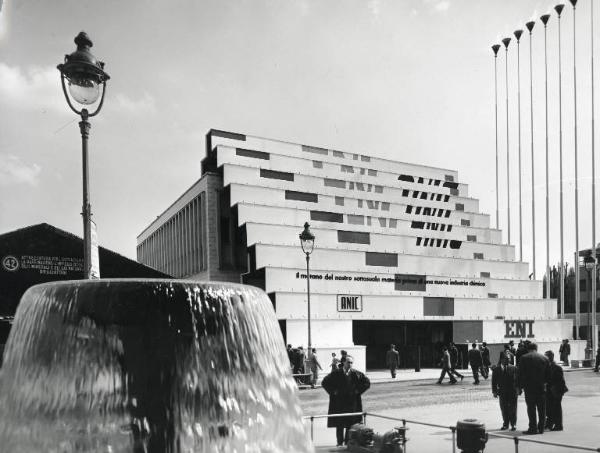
<point x="402" y="253"/>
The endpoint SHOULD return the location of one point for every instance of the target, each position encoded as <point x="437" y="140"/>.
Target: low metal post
<point x="453" y="429"/>
<point x="364" y="418"/>
<point x="516" y="439"/>
<point x="404" y="440"/>
<point x="312" y="424"/>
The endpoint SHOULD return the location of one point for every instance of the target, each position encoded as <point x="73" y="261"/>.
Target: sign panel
<point x="519" y="329"/>
<point x="349" y="302"/>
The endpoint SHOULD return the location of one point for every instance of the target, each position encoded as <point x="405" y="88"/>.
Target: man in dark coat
<point x="446" y="367"/>
<point x="485" y="357"/>
<point x="554" y="394"/>
<point x="290" y="353"/>
<point x="564" y="351"/>
<point x="505" y="385"/>
<point x="534" y="373"/>
<point x="392" y="360"/>
<point x="475" y="361"/>
<point x="521" y="351"/>
<point x="597" y="360"/>
<point x="453" y="350"/>
<point x="507" y="352"/>
<point x="345" y="387"/>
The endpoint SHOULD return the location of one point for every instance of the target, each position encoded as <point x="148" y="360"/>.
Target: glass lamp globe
<point x="84" y="91"/>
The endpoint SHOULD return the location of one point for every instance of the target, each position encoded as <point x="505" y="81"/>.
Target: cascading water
<point x="151" y="366"/>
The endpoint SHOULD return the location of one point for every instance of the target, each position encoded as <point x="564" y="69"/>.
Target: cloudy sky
<point x="411" y="80"/>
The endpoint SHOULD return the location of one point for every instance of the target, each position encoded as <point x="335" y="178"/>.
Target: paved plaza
<point x="423" y="400"/>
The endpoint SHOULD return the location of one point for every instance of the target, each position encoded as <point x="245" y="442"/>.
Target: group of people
<point x="302" y="364"/>
<point x="518" y="369"/>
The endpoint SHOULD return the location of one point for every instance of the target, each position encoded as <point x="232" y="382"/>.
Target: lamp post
<point x="590" y="264"/>
<point x="530" y="26"/>
<point x="307" y="241"/>
<point x="86" y="81"/>
<point x="506" y="42"/>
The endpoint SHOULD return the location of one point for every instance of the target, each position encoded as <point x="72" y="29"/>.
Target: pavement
<point x="581" y="409"/>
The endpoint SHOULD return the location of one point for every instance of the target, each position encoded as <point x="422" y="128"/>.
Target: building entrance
<point x="416" y="341"/>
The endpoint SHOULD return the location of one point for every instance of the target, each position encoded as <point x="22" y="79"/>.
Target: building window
<point x="465" y="222"/>
<point x="378" y="189"/>
<point x="356" y="219"/>
<point x="407" y="178"/>
<point x="313" y="149"/>
<point x="365" y="158"/>
<point x="493" y="295"/>
<point x="301" y="196"/>
<point x="405" y="192"/>
<point x="417" y="224"/>
<point x="353" y="237"/>
<point x="351" y="185"/>
<point x="251" y="153"/>
<point x="272" y="174"/>
<point x="360" y="203"/>
<point x="339" y="201"/>
<point x="355" y="156"/>
<point x="484" y="274"/>
<point x="423" y="195"/>
<point x="369" y="220"/>
<point x="360" y="186"/>
<point x="347" y="169"/>
<point x="454" y="192"/>
<point x="327" y="216"/>
<point x="426" y="211"/>
<point x="438" y="197"/>
<point x="449" y="178"/>
<point x="443" y="227"/>
<point x="447" y="213"/>
<point x="436" y="182"/>
<point x="362" y="171"/>
<point x="455" y="244"/>
<point x="418" y="210"/>
<point x="446" y="198"/>
<point x="381" y="259"/>
<point x="409" y="209"/>
<point x="393" y="223"/>
<point x="382" y="222"/>
<point x="317" y="164"/>
<point x="372" y="204"/>
<point x="338" y="154"/>
<point x="471" y="238"/>
<point x="372" y="172"/>
<point x="385" y="206"/>
<point x="477" y="256"/>
<point x="340" y="184"/>
<point x="460" y="207"/>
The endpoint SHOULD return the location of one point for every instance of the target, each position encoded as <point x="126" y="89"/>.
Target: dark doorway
<point x="414" y="340"/>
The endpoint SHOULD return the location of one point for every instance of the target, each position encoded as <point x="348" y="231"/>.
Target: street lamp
<point x="307" y="241"/>
<point x="590" y="263"/>
<point x="86" y="82"/>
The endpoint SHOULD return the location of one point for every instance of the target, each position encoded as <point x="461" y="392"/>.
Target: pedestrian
<point x="565" y="351"/>
<point x="511" y="347"/>
<point x="392" y="360"/>
<point x="507" y="352"/>
<point x="534" y="373"/>
<point x="453" y="350"/>
<point x="475" y="361"/>
<point x="597" y="360"/>
<point x="313" y="367"/>
<point x="485" y="358"/>
<point x="290" y="353"/>
<point x="554" y="394"/>
<point x="521" y="351"/>
<point x="343" y="355"/>
<point x="446" y="367"/>
<point x="345" y="387"/>
<point x="334" y="362"/>
<point x="299" y="361"/>
<point x="505" y="386"/>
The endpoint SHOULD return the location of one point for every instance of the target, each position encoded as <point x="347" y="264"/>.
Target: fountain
<point x="153" y="366"/>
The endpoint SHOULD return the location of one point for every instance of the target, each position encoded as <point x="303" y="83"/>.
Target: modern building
<point x="43" y="253"/>
<point x="403" y="254"/>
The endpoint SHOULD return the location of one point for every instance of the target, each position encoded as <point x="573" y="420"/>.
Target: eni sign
<point x="349" y="302"/>
<point x="518" y="329"/>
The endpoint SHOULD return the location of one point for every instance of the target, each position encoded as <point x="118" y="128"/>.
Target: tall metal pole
<point x="558" y="9"/>
<point x="506" y="42"/>
<point x="544" y="20"/>
<point x="86" y="209"/>
<point x="594" y="335"/>
<point x="518" y="34"/>
<point x="529" y="26"/>
<point x="495" y="48"/>
<point x="577" y="285"/>
<point x="309" y="353"/>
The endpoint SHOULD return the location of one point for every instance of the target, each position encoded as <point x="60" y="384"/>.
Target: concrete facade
<point x="397" y="245"/>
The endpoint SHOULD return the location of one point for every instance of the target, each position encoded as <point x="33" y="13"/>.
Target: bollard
<point x="470" y="436"/>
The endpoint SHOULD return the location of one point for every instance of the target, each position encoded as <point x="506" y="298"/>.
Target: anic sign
<point x="349" y="302"/>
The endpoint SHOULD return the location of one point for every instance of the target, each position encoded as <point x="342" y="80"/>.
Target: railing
<point x="516" y="439"/>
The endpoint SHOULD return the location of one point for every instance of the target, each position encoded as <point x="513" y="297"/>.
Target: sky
<point x="409" y="80"/>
